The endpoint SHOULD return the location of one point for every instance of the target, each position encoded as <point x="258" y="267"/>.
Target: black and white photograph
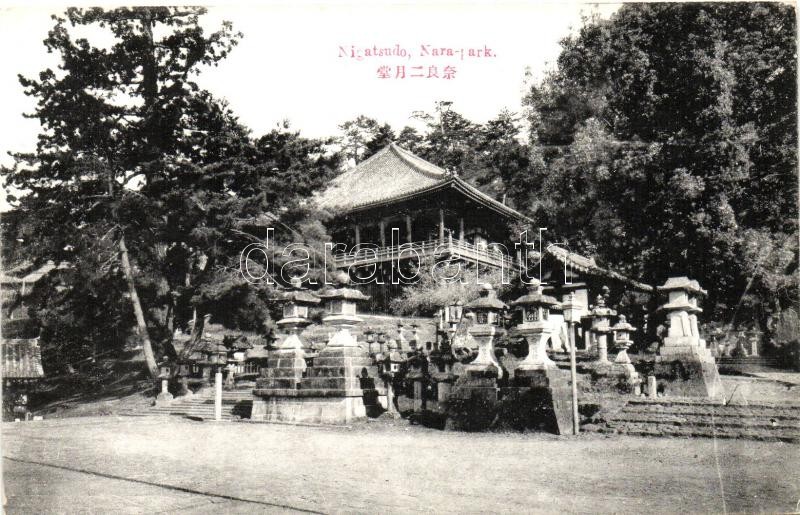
<point x="345" y="256"/>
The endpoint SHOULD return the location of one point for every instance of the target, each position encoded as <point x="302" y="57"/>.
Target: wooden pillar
<point x="441" y="224"/>
<point x="461" y="228"/>
<point x="358" y="235"/>
<point x="408" y="228"/>
<point x="383" y="233"/>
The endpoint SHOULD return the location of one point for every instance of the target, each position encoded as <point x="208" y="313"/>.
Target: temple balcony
<point x="431" y="250"/>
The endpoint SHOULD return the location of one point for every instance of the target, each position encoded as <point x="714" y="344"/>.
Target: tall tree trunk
<point x="141" y="325"/>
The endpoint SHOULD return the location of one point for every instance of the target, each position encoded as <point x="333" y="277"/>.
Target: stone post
<point x="652" y="389"/>
<point x="218" y="395"/>
<point x="164" y="398"/>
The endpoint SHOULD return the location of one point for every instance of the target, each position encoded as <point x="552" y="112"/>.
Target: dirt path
<point x="396" y="469"/>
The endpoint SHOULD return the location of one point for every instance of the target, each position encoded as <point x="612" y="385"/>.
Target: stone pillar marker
<point x="652" y="390"/>
<point x="535" y="327"/>
<point x="164" y="398"/>
<point x="218" y="395"/>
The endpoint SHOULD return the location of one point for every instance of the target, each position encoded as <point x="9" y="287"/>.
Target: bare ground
<point x="136" y="465"/>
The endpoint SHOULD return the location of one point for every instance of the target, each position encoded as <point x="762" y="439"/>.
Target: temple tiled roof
<point x="395" y="174"/>
<point x="682" y="283"/>
<point x="21" y="359"/>
<point x="588" y="266"/>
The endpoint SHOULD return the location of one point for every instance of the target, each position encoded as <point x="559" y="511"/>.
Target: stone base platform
<point x="689" y="377"/>
<point x="550" y="397"/>
<point x="315" y="407"/>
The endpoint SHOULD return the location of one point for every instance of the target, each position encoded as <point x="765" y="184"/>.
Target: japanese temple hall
<point x="396" y="200"/>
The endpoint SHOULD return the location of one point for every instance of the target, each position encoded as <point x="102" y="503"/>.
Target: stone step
<point x="701" y="417"/>
<point x="703" y="420"/>
<point x="666" y="430"/>
<point x="720" y="412"/>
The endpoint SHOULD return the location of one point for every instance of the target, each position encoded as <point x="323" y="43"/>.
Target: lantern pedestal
<point x="486" y="361"/>
<point x="285" y="366"/>
<point x="338" y="389"/>
<point x="548" y="393"/>
<point x="536" y="334"/>
<point x="473" y="400"/>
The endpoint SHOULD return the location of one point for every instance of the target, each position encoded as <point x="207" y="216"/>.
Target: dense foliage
<point x="670" y="142"/>
<point x="148" y="185"/>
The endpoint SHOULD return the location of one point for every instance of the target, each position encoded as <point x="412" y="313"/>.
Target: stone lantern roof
<point x="623" y="325"/>
<point x="487" y="300"/>
<point x="600" y="309"/>
<point x="535" y="297"/>
<point x="299" y="296"/>
<point x="343" y="294"/>
<point x="682" y="283"/>
<point x="296" y="293"/>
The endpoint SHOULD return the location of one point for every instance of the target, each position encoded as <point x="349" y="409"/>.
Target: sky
<point x="294" y="62"/>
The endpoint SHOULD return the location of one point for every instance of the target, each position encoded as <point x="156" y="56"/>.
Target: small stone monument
<point x="683" y="357"/>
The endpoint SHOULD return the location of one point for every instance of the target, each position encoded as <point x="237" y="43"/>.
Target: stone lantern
<point x="287" y="363"/>
<point x="218" y="358"/>
<point x="296" y="302"/>
<point x="450" y="318"/>
<point x="683" y="343"/>
<point x="340" y="312"/>
<point x="373" y="344"/>
<point x="389" y="366"/>
<point x="622" y="331"/>
<point x="217" y="354"/>
<point x="454" y="312"/>
<point x="681" y="309"/>
<point x="601" y="318"/>
<point x="535" y="326"/>
<point x="487" y="311"/>
<point x="164" y="398"/>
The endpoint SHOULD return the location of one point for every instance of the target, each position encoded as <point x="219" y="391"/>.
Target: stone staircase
<point x="699" y="417"/>
<point x="236" y="404"/>
<point x="747" y="364"/>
